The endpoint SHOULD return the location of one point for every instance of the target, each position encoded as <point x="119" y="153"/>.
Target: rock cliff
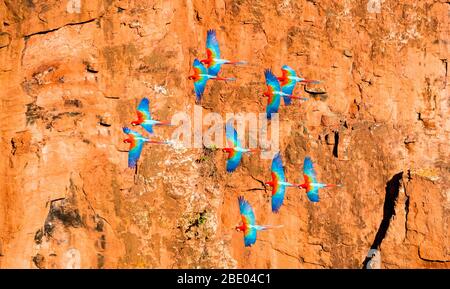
<point x="73" y="71"/>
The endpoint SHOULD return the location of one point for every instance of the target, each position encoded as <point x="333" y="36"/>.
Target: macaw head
<point x="135" y="123"/>
<point x="269" y="183"/>
<point x="194" y="77"/>
<point x="266" y="94"/>
<point x="127" y="140"/>
<point x="240" y="228"/>
<point x="206" y="61"/>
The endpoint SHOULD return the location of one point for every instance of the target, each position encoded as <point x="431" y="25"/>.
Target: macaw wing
<point x="233" y="160"/>
<point x="214" y="68"/>
<point x="201" y="68"/>
<point x="246" y="211"/>
<point x="308" y="171"/>
<point x="199" y="87"/>
<point x="200" y="84"/>
<point x="148" y="127"/>
<point x="249" y="237"/>
<point x="143" y="109"/>
<point x="212" y="45"/>
<point x="135" y="152"/>
<point x="231" y="134"/>
<point x="313" y="194"/>
<point x="272" y="105"/>
<point x="278" y="192"/>
<point x="288" y="84"/>
<point x="248" y="219"/>
<point x="271" y="81"/>
<point x="277" y="168"/>
<point x="288" y="71"/>
<point x="309" y="175"/>
<point x="135" y="134"/>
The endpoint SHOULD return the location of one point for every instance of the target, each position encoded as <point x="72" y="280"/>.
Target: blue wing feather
<point x="233" y="162"/>
<point x="277" y="167"/>
<point x="247" y="211"/>
<point x="148" y="127"/>
<point x="278" y="170"/>
<point x="213" y="46"/>
<point x="199" y="85"/>
<point x="232" y="135"/>
<point x="274" y="86"/>
<point x="144" y="108"/>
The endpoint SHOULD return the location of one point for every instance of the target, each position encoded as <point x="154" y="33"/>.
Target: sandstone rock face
<point x="73" y="71"/>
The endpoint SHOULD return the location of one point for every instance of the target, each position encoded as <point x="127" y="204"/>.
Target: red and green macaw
<point x="311" y="185"/>
<point x="144" y="117"/>
<point x="200" y="77"/>
<point x="234" y="149"/>
<point x="136" y="141"/>
<point x="214" y="62"/>
<point x="278" y="183"/>
<point x="248" y="225"/>
<point x="273" y="93"/>
<point x="288" y="80"/>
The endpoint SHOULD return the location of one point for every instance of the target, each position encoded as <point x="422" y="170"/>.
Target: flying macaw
<point x="273" y="92"/>
<point x="136" y="141"/>
<point x="248" y="225"/>
<point x="235" y="149"/>
<point x="311" y="185"/>
<point x="144" y="117"/>
<point x="288" y="80"/>
<point x="214" y="62"/>
<point x="201" y="76"/>
<point x="278" y="183"/>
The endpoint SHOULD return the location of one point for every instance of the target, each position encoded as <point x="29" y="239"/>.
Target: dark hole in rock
<point x="336" y="144"/>
<point x="38" y="261"/>
<point x="392" y="191"/>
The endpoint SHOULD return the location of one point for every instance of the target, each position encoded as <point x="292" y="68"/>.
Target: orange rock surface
<point x="72" y="73"/>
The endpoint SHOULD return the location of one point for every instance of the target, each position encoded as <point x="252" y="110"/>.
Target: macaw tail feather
<point x="310" y="81"/>
<point x="298" y="97"/>
<point x="333" y="185"/>
<point x="158" y="142"/>
<point x="236" y="62"/>
<point x="267" y="227"/>
<point x="224" y="78"/>
<point x="165" y="123"/>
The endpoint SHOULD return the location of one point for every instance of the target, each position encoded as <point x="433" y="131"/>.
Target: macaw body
<point x="288" y="80"/>
<point x="136" y="141"/>
<point x="144" y="117"/>
<point x="214" y="62"/>
<point x="235" y="149"/>
<point x="278" y="183"/>
<point x="201" y="77"/>
<point x="248" y="225"/>
<point x="274" y="90"/>
<point x="310" y="184"/>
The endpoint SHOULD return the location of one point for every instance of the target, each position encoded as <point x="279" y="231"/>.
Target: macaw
<point x="273" y="93"/>
<point x="214" y="62"/>
<point x="248" y="225"/>
<point x="144" y="117"/>
<point x="278" y="183"/>
<point x="311" y="185"/>
<point x="288" y="80"/>
<point x="201" y="76"/>
<point x="136" y="141"/>
<point x="234" y="149"/>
